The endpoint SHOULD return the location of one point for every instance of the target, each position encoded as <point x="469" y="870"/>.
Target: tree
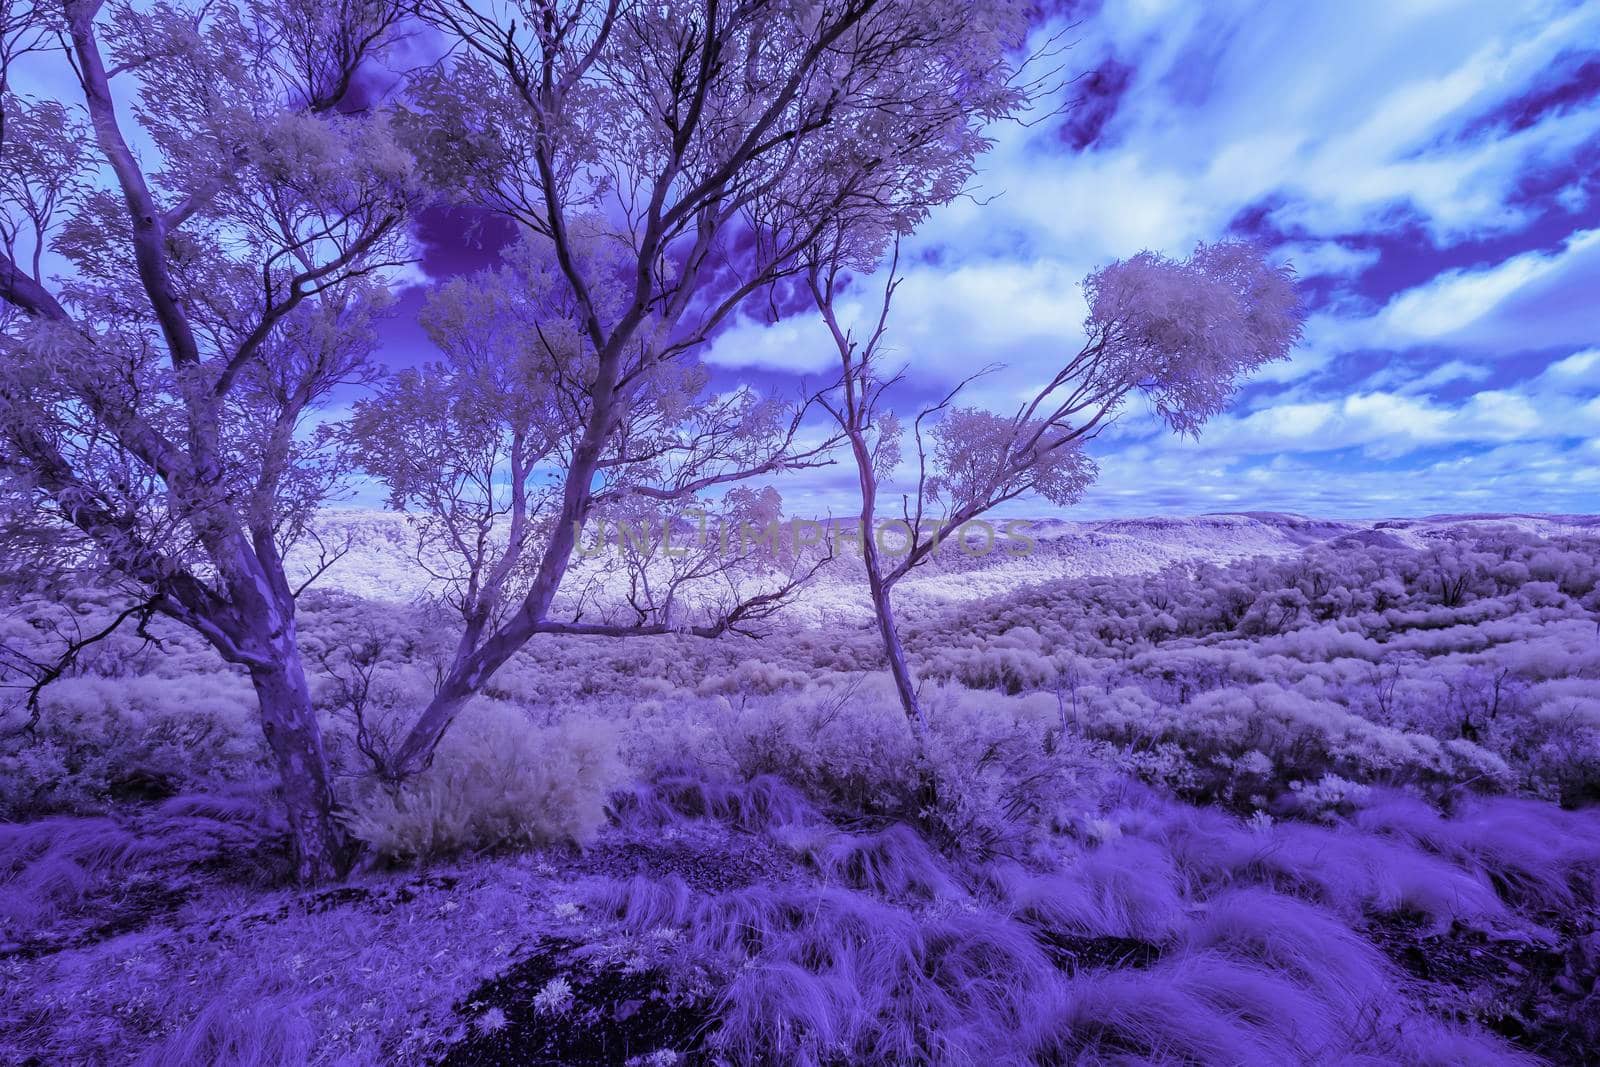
<point x="209" y="293"/>
<point x="476" y="445"/>
<point x="709" y="144"/>
<point x="1180" y="333"/>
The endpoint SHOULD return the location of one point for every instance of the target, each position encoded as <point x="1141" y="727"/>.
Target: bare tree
<point x="1180" y="333"/>
<point x="184" y="281"/>
<point x="716" y="141"/>
<point x="725" y="566"/>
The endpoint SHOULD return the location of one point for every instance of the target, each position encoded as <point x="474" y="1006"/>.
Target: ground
<point x="1332" y="801"/>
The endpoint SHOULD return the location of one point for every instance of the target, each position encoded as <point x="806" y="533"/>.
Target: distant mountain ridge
<point x="381" y="561"/>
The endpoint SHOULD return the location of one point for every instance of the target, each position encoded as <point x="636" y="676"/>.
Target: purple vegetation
<point x="1252" y="789"/>
<point x="1326" y="806"/>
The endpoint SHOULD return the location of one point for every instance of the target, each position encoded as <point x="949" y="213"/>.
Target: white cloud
<point x="1517" y="476"/>
<point x="799" y="344"/>
<point x="1406" y="378"/>
<point x="946" y="324"/>
<point x="1580" y="368"/>
<point x="1527" y="302"/>
<point x="1339" y="114"/>
<point x="1548" y="407"/>
<point x="1322" y="259"/>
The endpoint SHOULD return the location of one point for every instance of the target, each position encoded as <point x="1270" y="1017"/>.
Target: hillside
<point x="381" y="561"/>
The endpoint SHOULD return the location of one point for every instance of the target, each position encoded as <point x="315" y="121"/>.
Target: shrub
<point x="895" y="862"/>
<point x="102" y="739"/>
<point x="822" y="975"/>
<point x="765" y="802"/>
<point x="496" y="781"/>
<point x="1123" y="889"/>
<point x="51" y="869"/>
<point x="261" y="1034"/>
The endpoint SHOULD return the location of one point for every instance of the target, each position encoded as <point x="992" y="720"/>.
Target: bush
<point x="497" y="781"/>
<point x="1000" y="775"/>
<point x="104" y="739"/>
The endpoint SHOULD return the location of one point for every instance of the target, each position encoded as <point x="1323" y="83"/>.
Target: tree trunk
<point x="877" y="584"/>
<point x="904" y="687"/>
<point x="883" y="608"/>
<point x="321" y="852"/>
<point x="417" y="748"/>
<point x="895" y="652"/>
<point x="474" y="666"/>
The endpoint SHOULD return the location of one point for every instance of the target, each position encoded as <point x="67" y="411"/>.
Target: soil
<point x="616" y="1016"/>
<point x="1542" y="995"/>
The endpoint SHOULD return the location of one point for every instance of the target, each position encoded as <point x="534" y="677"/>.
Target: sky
<point x="1431" y="168"/>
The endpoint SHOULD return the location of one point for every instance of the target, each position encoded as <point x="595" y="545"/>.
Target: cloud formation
<point x="1432" y="170"/>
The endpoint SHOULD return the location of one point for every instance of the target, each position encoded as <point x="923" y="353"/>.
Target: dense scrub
<point x="1329" y="807"/>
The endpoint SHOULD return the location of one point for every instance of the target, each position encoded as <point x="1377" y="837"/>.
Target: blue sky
<point x="1432" y="169"/>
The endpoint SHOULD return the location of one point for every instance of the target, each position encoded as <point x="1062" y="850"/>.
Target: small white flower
<point x="555" y="998"/>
